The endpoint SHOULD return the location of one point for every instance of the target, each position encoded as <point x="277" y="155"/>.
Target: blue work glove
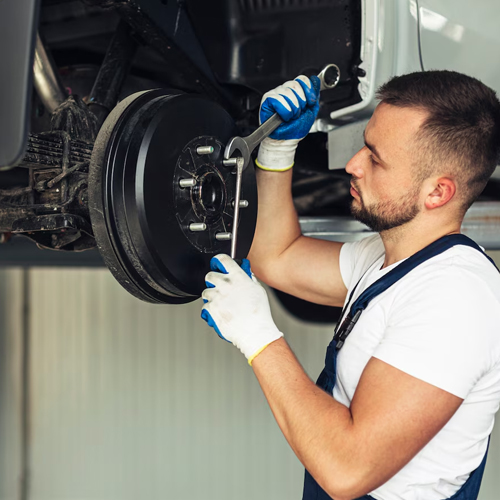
<point x="297" y="103"/>
<point x="237" y="307"/>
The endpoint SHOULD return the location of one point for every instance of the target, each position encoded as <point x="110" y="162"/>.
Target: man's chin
<point x="357" y="208"/>
<point x="359" y="212"/>
<point x="359" y="216"/>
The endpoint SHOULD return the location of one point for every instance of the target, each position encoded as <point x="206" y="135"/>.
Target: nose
<point x="355" y="164"/>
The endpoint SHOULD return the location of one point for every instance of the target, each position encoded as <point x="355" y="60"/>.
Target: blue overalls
<point x="327" y="378"/>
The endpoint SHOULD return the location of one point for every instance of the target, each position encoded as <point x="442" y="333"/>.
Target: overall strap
<point x="435" y="248"/>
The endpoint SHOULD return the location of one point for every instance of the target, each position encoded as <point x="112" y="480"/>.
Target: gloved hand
<point x="297" y="103"/>
<point x="237" y="307"/>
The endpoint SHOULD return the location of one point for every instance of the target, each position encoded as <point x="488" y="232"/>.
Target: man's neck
<point x="404" y="241"/>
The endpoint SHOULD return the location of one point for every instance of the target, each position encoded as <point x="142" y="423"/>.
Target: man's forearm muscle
<point x="352" y="451"/>
<point x="317" y="427"/>
<point x="277" y="223"/>
<point x="280" y="254"/>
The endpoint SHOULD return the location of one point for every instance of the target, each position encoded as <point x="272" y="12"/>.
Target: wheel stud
<point x="243" y="204"/>
<point x="231" y="162"/>
<point x="205" y="150"/>
<point x="223" y="236"/>
<point x="187" y="183"/>
<point x="234" y="162"/>
<point x="197" y="227"/>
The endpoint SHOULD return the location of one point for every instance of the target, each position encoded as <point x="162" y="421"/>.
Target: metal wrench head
<point x="238" y="143"/>
<point x="329" y="77"/>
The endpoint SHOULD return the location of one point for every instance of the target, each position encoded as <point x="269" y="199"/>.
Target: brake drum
<point x="142" y="217"/>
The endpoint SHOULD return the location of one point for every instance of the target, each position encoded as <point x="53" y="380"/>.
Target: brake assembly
<point x="161" y="199"/>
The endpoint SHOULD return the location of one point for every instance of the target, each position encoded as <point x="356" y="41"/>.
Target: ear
<point x="443" y="191"/>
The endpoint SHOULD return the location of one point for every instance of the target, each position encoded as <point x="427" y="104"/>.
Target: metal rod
<point x="69" y="171"/>
<point x="187" y="183"/>
<point x="243" y="204"/>
<point x="197" y="227"/>
<point x="46" y="79"/>
<point x="223" y="236"/>
<point x="230" y="162"/>
<point x="205" y="150"/>
<point x="239" y="174"/>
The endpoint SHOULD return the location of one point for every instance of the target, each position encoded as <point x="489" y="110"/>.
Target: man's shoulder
<point x="369" y="248"/>
<point x="465" y="264"/>
<point x="460" y="275"/>
<point x="357" y="256"/>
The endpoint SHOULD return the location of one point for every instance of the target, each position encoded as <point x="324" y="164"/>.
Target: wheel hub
<point x="210" y="197"/>
<point x="209" y="200"/>
<point x="160" y="194"/>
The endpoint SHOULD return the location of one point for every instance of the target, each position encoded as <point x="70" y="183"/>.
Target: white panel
<point x="344" y="142"/>
<point x="132" y="400"/>
<point x="11" y="293"/>
<point x="458" y="36"/>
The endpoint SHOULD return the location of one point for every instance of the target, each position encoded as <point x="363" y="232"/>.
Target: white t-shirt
<point x="440" y="323"/>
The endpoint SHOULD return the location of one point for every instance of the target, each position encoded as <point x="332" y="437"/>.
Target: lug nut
<point x="197" y="227"/>
<point x="187" y="183"/>
<point x="205" y="150"/>
<point x="243" y="204"/>
<point x="223" y="236"/>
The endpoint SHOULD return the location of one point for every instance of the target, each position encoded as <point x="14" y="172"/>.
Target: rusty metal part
<point x="46" y="150"/>
<point x="48" y="203"/>
<point x="73" y="117"/>
<point x="56" y="231"/>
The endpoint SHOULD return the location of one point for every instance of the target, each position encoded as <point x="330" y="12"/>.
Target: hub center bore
<point x="211" y="194"/>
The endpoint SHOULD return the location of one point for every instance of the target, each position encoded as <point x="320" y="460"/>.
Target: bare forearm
<point x="277" y="223"/>
<point x="318" y="428"/>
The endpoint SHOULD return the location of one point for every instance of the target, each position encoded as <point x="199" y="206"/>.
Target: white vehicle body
<point x="403" y="36"/>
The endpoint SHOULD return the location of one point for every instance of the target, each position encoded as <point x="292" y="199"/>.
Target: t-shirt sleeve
<point x="442" y="334"/>
<point x="357" y="256"/>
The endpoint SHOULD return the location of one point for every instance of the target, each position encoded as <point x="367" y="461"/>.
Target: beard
<point x="386" y="215"/>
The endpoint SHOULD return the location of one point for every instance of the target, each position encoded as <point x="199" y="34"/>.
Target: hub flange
<point x="142" y="217"/>
<point x="209" y="199"/>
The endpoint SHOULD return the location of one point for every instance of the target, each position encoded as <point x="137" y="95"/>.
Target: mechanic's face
<point x="385" y="194"/>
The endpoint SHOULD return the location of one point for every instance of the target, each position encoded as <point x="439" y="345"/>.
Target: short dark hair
<point x="463" y="126"/>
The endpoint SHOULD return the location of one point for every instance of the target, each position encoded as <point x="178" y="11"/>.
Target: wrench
<point x="329" y="76"/>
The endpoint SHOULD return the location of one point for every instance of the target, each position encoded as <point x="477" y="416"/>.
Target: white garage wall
<point x="11" y="377"/>
<point x="130" y="400"/>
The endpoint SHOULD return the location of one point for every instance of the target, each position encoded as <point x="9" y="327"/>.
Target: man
<point x="418" y="378"/>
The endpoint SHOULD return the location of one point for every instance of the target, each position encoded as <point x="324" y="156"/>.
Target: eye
<point x="373" y="160"/>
